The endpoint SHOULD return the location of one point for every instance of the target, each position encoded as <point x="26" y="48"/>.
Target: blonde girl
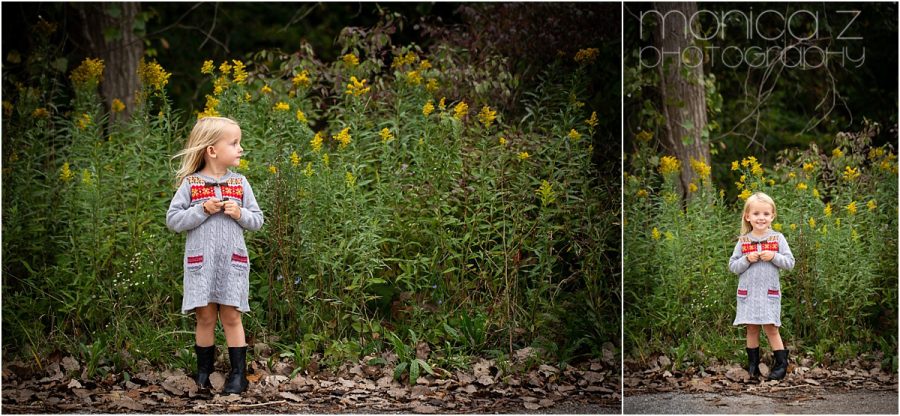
<point x="758" y="257"/>
<point x="215" y="205"/>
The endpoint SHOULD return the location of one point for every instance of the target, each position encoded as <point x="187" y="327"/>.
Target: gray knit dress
<point x="216" y="263"/>
<point x="759" y="289"/>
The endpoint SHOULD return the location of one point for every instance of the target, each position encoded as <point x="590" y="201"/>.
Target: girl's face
<point x="759" y="215"/>
<point x="228" y="149"/>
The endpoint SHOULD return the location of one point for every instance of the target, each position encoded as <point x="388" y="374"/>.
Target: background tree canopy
<point x="767" y="109"/>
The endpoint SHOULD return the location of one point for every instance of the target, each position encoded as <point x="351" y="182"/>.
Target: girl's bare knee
<point x="230" y="316"/>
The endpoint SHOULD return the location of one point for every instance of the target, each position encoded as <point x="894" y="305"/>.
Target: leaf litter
<point x="61" y="386"/>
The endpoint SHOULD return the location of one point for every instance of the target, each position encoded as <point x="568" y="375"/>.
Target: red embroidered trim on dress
<point x="233" y="191"/>
<point x="742" y="292"/>
<point x="200" y="192"/>
<point x="773" y="292"/>
<point x="195" y="259"/>
<point x="238" y="258"/>
<point x="751" y="247"/>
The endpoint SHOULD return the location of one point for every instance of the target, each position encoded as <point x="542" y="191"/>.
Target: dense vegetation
<point x="401" y="204"/>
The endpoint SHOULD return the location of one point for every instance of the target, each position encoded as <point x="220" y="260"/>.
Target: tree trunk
<point x="682" y="91"/>
<point x="107" y="30"/>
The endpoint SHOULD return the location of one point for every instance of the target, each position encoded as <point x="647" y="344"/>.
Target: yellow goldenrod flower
<point x="692" y="187"/>
<point x="812" y="222"/>
<point x="669" y="165"/>
<point x="301" y="117"/>
<point x="854" y="235"/>
<point x="771" y="182"/>
<point x="837" y="152"/>
<point x="828" y="209"/>
<point x="295" y="159"/>
<point x="851" y="208"/>
<point x="117" y="106"/>
<point x="815" y="193"/>
<point x="524" y="156"/>
<point x="743" y="178"/>
<point x="502" y="141"/>
<point x="350" y="60"/>
<point x="655" y="233"/>
<point x="65" y="173"/>
<point x="587" y="55"/>
<point x="460" y="110"/>
<point x="343" y="137"/>
<point x="350" y="179"/>
<point x="801" y="186"/>
<point x="316" y="142"/>
<point x="88" y="74"/>
<point x="86" y="177"/>
<point x="428" y="108"/>
<point x="84" y="121"/>
<point x="309" y="170"/>
<point x="273" y="169"/>
<point x="325" y="159"/>
<point x="721" y="193"/>
<point x="793" y="227"/>
<point x="356" y="87"/>
<point x="642" y="193"/>
<point x="302" y="79"/>
<point x="669" y="235"/>
<point x="413" y="78"/>
<point x="281" y="106"/>
<point x="776" y="227"/>
<point x="7" y="108"/>
<point x="644" y="136"/>
<point x="871" y="205"/>
<point x="808" y="167"/>
<point x="424" y="65"/>
<point x="735" y="165"/>
<point x="219" y="85"/>
<point x="386" y="135"/>
<point x="792" y="175"/>
<point x="431" y="85"/>
<point x="225" y="68"/>
<point x="756" y="170"/>
<point x="850" y="173"/>
<point x="207" y="67"/>
<point x="546" y="193"/>
<point x="875" y="153"/>
<point x="745" y="194"/>
<point x="593" y="120"/>
<point x="42" y="112"/>
<point x="153" y="75"/>
<point x="574" y="134"/>
<point x="240" y="74"/>
<point x="265" y="89"/>
<point x="243" y="164"/>
<point x="700" y="168"/>
<point x="441" y="105"/>
<point x="487" y="116"/>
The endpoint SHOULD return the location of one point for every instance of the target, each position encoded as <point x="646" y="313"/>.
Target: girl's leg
<point x="234" y="329"/>
<point x="205" y="335"/>
<point x="752" y="336"/>
<point x="774" y="337"/>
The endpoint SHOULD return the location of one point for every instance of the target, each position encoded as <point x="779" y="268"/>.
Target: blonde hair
<point x="205" y="133"/>
<point x="746" y="227"/>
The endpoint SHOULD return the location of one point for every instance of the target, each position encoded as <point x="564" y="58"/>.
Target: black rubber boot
<point x="206" y="358"/>
<point x="781" y="362"/>
<point x="237" y="380"/>
<point x="753" y="361"/>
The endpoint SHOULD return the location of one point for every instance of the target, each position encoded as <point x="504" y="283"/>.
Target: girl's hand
<point x="232" y="210"/>
<point x="767" y="255"/>
<point x="212" y="206"/>
<point x="753" y="257"/>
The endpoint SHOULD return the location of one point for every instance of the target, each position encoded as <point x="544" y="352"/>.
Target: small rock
<point x="664" y="361"/>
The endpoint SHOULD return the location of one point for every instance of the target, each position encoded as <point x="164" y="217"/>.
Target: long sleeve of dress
<point x="251" y="216"/>
<point x="181" y="215"/>
<point x="783" y="259"/>
<point x="738" y="262"/>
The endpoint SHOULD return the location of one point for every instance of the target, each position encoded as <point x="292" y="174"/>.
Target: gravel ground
<point x="816" y="402"/>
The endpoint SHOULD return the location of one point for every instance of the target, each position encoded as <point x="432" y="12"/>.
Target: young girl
<point x="215" y="205"/>
<point x="759" y="254"/>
